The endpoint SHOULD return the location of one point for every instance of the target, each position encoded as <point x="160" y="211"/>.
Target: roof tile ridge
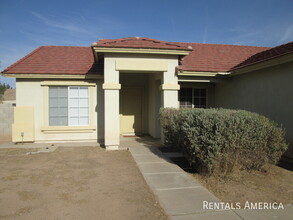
<point x="111" y="41"/>
<point x="22" y="59"/>
<point x="163" y="42"/>
<point x="132" y="38"/>
<point x="136" y="38"/>
<point x="106" y="41"/>
<point x="175" y="44"/>
<point x="152" y="39"/>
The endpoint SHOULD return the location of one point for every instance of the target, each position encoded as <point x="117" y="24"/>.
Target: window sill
<point x="68" y="129"/>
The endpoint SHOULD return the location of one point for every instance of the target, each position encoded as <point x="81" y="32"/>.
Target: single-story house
<point x="116" y="87"/>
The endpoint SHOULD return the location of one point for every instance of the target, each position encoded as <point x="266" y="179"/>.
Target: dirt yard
<point x="74" y="183"/>
<point x="274" y="185"/>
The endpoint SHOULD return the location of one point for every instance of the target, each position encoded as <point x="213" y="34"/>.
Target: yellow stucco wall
<point x="23" y="126"/>
<point x="268" y="92"/>
<point x="133" y="64"/>
<point x="34" y="93"/>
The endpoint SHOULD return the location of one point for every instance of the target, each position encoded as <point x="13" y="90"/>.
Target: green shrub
<point x="218" y="140"/>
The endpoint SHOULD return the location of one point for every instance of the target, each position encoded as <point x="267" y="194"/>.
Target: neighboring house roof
<point x="216" y="57"/>
<point x="202" y="57"/>
<point x="140" y="42"/>
<point x="269" y="54"/>
<point x="9" y="95"/>
<point x="57" y="60"/>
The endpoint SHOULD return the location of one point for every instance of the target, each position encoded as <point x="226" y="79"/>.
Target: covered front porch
<point x="135" y="87"/>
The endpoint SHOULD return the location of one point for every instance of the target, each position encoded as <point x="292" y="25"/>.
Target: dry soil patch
<point x="74" y="183"/>
<point x="274" y="185"/>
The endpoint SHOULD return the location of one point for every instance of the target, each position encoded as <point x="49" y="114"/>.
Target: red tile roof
<point x="203" y="57"/>
<point x="140" y="42"/>
<point x="216" y="57"/>
<point x="267" y="55"/>
<point x="57" y="60"/>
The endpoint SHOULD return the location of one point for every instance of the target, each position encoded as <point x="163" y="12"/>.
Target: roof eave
<point x="140" y="50"/>
<point x="201" y="73"/>
<point x="52" y="76"/>
<point x="263" y="64"/>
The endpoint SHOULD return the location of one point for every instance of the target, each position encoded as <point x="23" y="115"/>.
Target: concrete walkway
<point x="180" y="195"/>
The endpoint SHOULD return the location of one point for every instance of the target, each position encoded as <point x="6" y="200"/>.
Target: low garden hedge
<point x="219" y="140"/>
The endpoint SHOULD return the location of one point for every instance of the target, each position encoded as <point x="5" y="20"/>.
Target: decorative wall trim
<point x="111" y="86"/>
<point x="67" y="129"/>
<point x="67" y="83"/>
<point x="140" y="50"/>
<point x="169" y="87"/>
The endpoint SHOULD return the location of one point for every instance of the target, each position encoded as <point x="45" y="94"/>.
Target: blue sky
<point x="28" y="24"/>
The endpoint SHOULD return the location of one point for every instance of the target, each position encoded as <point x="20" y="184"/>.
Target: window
<point x="193" y="98"/>
<point x="199" y="98"/>
<point x="68" y="106"/>
<point x="185" y="97"/>
<point x="58" y="106"/>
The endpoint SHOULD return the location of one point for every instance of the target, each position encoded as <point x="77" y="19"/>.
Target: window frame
<point x="193" y="96"/>
<point x="91" y="127"/>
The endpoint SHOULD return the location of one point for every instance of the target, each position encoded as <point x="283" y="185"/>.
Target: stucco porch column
<point x="170" y="95"/>
<point x="170" y="87"/>
<point x="111" y="88"/>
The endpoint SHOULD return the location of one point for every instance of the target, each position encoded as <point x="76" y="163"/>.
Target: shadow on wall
<point x="99" y="110"/>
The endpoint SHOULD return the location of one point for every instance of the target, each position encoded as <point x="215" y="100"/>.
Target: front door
<point x="131" y="117"/>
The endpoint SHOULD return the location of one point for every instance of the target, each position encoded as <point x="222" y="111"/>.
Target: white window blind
<point x="58" y="106"/>
<point x="68" y="106"/>
<point x="78" y="104"/>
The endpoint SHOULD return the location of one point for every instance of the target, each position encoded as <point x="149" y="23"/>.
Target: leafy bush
<point x="218" y="140"/>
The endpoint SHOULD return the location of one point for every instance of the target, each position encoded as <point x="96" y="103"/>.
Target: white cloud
<point x="63" y="25"/>
<point x="9" y="55"/>
<point x="270" y="35"/>
<point x="205" y="34"/>
<point x="287" y="35"/>
<point x="71" y="29"/>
